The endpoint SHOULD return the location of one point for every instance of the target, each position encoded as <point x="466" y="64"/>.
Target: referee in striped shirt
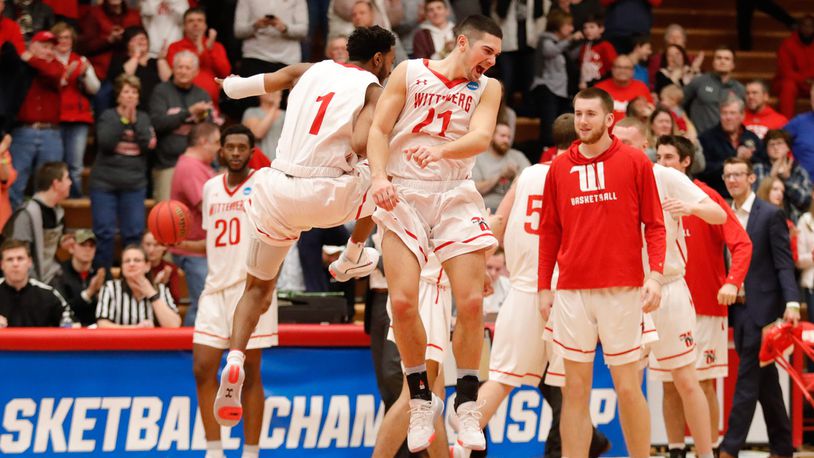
<point x="133" y="301"/>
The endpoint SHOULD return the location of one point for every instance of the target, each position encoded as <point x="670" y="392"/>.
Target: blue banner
<point x="319" y="402"/>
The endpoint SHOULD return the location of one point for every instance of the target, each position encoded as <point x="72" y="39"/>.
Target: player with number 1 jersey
<point x="315" y="180"/>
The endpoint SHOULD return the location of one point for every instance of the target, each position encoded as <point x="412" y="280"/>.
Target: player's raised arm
<point x="361" y="127"/>
<point x="237" y="87"/>
<point x="388" y="108"/>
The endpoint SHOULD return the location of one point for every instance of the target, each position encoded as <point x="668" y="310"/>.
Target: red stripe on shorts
<point x="434" y="346"/>
<point x="573" y="349"/>
<point x="624" y="352"/>
<point x="445" y="244"/>
<point x="676" y="356"/>
<point x="516" y="375"/>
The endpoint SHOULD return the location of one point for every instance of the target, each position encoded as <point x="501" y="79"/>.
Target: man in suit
<point x="770" y="292"/>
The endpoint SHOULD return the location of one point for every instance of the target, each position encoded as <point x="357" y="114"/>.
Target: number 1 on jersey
<point x="323" y="101"/>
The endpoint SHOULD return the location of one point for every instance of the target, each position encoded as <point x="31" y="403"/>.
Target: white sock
<point x="235" y="357"/>
<point x="676" y="446"/>
<point x="706" y="455"/>
<point x="214" y="449"/>
<point x="251" y="451"/>
<point x="354" y="250"/>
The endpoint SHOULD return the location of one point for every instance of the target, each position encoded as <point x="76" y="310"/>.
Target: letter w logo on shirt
<point x="591" y="176"/>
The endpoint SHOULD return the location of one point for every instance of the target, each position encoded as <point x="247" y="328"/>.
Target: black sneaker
<point x="678" y="452"/>
<point x="599" y="445"/>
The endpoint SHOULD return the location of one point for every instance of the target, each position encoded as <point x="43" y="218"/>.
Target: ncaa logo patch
<point x="247" y="190"/>
<point x="473" y="85"/>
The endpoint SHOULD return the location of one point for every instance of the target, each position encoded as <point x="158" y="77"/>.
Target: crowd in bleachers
<point x="125" y="89"/>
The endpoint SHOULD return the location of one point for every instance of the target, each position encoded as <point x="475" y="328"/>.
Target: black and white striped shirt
<point x="117" y="304"/>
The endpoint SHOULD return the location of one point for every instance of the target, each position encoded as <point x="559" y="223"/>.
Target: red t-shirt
<point x="763" y="121"/>
<point x="187" y="187"/>
<point x="10" y="31"/>
<point x="706" y="269"/>
<point x="602" y="56"/>
<point x="622" y="95"/>
<point x="593" y="210"/>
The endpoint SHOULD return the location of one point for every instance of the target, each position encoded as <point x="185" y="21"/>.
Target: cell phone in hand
<point x="271" y="17"/>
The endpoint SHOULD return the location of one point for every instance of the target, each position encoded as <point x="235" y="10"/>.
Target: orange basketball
<point x="169" y="222"/>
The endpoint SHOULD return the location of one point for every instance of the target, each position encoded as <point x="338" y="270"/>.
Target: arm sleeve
<point x="220" y="62"/>
<point x="162" y="122"/>
<point x="145" y="135"/>
<point x="682" y="188"/>
<point x="165" y="294"/>
<point x="798" y="188"/>
<point x="550" y="233"/>
<point x="298" y="28"/>
<point x="50" y="70"/>
<point x="243" y="22"/>
<point x="109" y="131"/>
<point x="739" y="244"/>
<point x="551" y="49"/>
<point x="104" y="306"/>
<point x="652" y="216"/>
<point x="781" y="256"/>
<point x="805" y="259"/>
<point x="21" y="228"/>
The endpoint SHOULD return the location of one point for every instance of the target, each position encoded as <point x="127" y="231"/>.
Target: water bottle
<point x="66" y="321"/>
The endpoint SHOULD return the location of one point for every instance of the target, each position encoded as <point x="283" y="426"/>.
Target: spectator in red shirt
<point x="162" y="271"/>
<point x="76" y="114"/>
<point x="36" y="139"/>
<point x="103" y="31"/>
<point x="192" y="170"/>
<point x="795" y="66"/>
<point x="212" y="59"/>
<point x="759" y="117"/>
<point x="596" y="56"/>
<point x="10" y="31"/>
<point x="622" y="87"/>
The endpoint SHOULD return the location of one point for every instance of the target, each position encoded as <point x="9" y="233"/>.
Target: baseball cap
<point x="83" y="235"/>
<point x="44" y="35"/>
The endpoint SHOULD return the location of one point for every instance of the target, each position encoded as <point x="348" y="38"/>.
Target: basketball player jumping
<point x="433" y="118"/>
<point x="227" y="239"/>
<point x="326" y="126"/>
<point x="596" y="197"/>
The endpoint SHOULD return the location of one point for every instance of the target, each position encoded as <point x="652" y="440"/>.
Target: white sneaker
<point x="228" y="409"/>
<point x="343" y="269"/>
<point x="422" y="422"/>
<point x="458" y="451"/>
<point x="466" y="422"/>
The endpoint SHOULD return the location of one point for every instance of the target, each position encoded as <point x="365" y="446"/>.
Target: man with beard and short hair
<point x="759" y="116"/>
<point x="496" y="168"/>
<point x="600" y="188"/>
<point x="227" y="239"/>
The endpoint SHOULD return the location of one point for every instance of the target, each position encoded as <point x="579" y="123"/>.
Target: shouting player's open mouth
<point x="479" y="71"/>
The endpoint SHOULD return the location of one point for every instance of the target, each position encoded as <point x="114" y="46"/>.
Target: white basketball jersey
<point x="227" y="232"/>
<point x="521" y="241"/>
<point x="433" y="272"/>
<point x="436" y="111"/>
<point x="674" y="184"/>
<point x="322" y="108"/>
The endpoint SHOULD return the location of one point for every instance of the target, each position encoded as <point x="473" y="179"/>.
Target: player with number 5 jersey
<point x="316" y="179"/>
<point x="433" y="118"/>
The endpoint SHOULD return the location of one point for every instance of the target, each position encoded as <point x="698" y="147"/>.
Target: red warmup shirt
<point x="42" y="101"/>
<point x="593" y="210"/>
<point x="10" y="31"/>
<point x="763" y="121"/>
<point x="622" y="95"/>
<point x="706" y="269"/>
<point x="795" y="60"/>
<point x="211" y="63"/>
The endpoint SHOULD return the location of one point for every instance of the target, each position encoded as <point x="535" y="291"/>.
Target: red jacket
<point x="10" y="31"/>
<point x="67" y="8"/>
<point x="211" y="63"/>
<point x="74" y="106"/>
<point x="795" y="60"/>
<point x="706" y="268"/>
<point x="763" y="121"/>
<point x="96" y="27"/>
<point x="593" y="210"/>
<point x="42" y="101"/>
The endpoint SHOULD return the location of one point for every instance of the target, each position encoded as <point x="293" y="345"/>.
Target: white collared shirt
<point x="743" y="212"/>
